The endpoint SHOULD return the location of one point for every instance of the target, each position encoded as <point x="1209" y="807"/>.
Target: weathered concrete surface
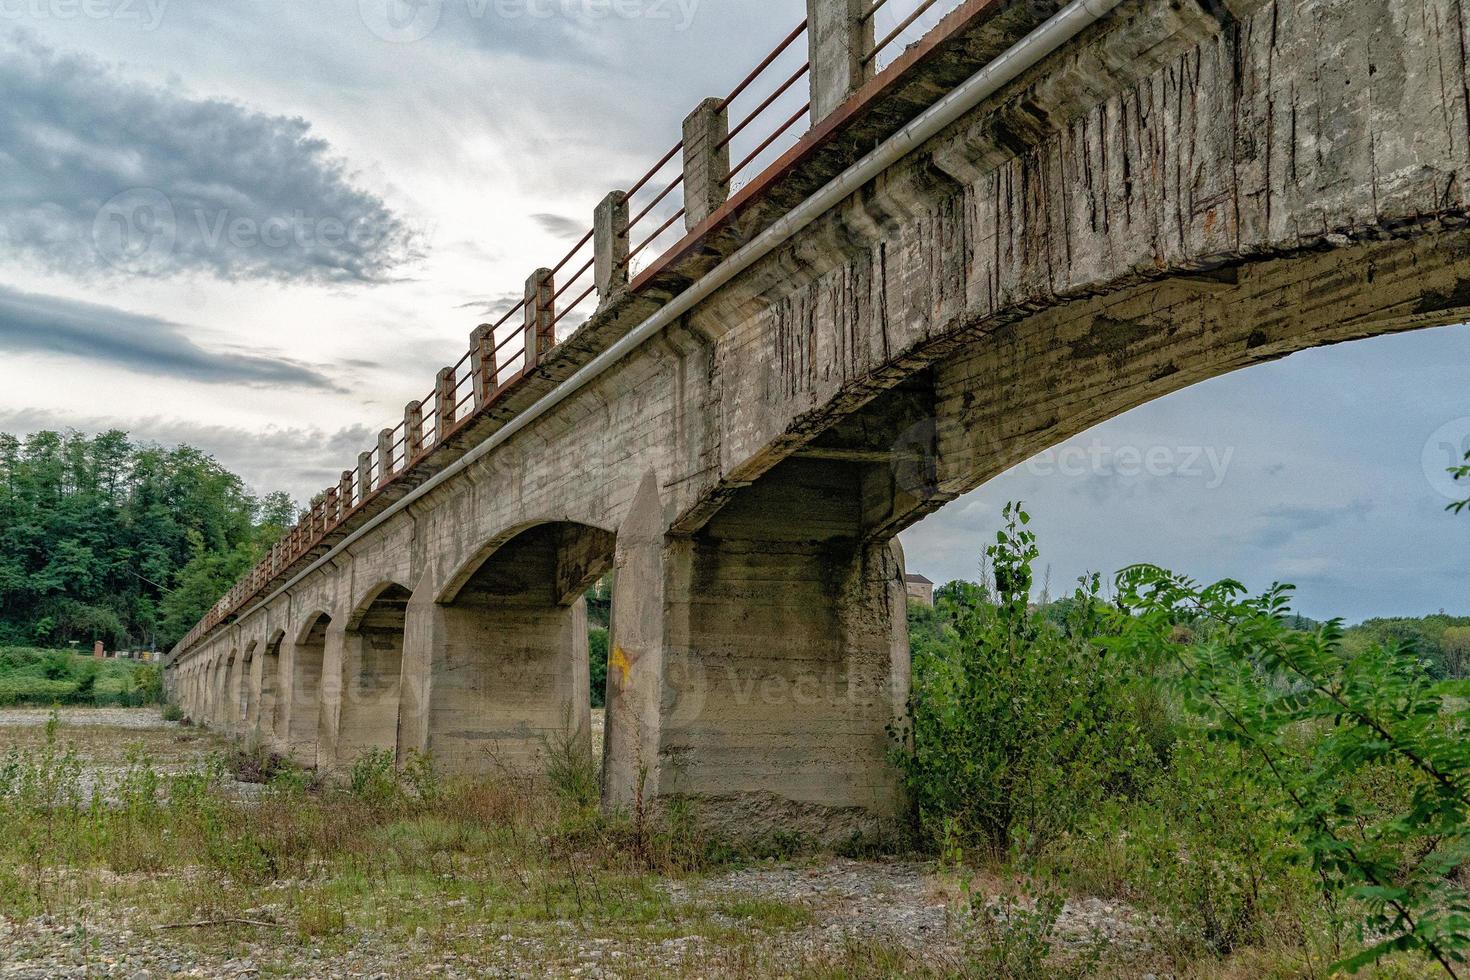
<point x="1184" y="191"/>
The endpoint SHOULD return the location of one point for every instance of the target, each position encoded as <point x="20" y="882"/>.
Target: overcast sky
<point x="261" y="226"/>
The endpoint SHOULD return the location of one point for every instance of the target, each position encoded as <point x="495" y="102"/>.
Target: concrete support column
<point x="344" y="495"/>
<point x="385" y="456"/>
<point x="635" y="655"/>
<point x="760" y="684"/>
<point x="840" y="38"/>
<point x="423" y="645"/>
<point x="334" y="659"/>
<point x="540" y="314"/>
<point x="413" y="430"/>
<point x="482" y="362"/>
<point x="364" y="476"/>
<point x="443" y="404"/>
<point x="706" y="161"/>
<point x="610" y="245"/>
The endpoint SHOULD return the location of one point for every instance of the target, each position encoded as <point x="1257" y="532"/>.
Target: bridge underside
<point x="1186" y="191"/>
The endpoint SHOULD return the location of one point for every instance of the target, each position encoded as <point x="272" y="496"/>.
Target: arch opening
<point x="513" y="677"/>
<point x="372" y="672"/>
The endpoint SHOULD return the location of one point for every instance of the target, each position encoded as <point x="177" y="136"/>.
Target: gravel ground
<point x="125" y="718"/>
<point x="898" y="904"/>
<point x="887" y="903"/>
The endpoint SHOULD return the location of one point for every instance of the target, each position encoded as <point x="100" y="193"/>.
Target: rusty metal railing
<point x="773" y="115"/>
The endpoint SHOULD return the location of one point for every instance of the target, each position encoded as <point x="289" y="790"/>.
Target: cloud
<point x="104" y="335"/>
<point x="1284" y="523"/>
<point x="560" y="225"/>
<point x="300" y="460"/>
<point x="107" y="175"/>
<point x="494" y="307"/>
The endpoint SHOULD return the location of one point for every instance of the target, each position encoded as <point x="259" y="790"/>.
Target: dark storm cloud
<point x="106" y="174"/>
<point x="106" y="336"/>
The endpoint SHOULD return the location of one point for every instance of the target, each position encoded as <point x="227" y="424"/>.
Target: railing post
<point x="610" y="245"/>
<point x="443" y="404"/>
<point x="364" y="475"/>
<point x="540" y="330"/>
<point x="840" y="37"/>
<point x="413" y="431"/>
<point x="331" y="508"/>
<point x="482" y="362"/>
<point x="706" y="161"/>
<point x="385" y="457"/>
<point x="344" y="495"/>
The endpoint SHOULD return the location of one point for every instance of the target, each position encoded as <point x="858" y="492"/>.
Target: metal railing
<point x="773" y="111"/>
<point x="899" y="23"/>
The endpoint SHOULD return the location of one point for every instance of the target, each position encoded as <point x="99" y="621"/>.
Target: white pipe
<point x="1066" y="24"/>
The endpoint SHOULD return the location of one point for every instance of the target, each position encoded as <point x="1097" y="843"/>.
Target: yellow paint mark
<point x="621" y="663"/>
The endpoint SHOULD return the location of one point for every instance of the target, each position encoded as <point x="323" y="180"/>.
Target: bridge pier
<point x="754" y="671"/>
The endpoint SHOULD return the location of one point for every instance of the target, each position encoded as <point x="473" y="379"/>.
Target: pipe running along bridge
<point x="874" y="276"/>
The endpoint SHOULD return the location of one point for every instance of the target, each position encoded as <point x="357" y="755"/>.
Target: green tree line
<point x="105" y="539"/>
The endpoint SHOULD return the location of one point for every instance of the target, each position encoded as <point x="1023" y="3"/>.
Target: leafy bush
<point x="1017" y="726"/>
<point x="374" y="778"/>
<point x="1012" y="938"/>
<point x="47" y="677"/>
<point x="1461" y="473"/>
<point x="1364" y="753"/>
<point x="597" y="638"/>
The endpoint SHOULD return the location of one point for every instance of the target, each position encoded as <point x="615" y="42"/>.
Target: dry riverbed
<point x="810" y="917"/>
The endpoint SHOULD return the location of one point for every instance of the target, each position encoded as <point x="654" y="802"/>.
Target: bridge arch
<point x="510" y="671"/>
<point x="372" y="672"/>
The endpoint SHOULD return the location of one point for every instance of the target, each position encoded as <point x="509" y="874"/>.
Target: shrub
<point x="1012" y="939"/>
<point x="373" y="779"/>
<point x="1016" y="726"/>
<point x="1363" y="752"/>
<point x="597" y="638"/>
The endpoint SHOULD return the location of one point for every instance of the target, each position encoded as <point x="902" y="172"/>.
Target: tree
<point x="1461" y="473"/>
<point x="97" y="532"/>
<point x="1455" y="643"/>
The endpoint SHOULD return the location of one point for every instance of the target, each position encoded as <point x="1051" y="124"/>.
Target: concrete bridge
<point x="1035" y="218"/>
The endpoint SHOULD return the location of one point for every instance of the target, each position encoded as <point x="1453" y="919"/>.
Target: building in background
<point x="920" y="589"/>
